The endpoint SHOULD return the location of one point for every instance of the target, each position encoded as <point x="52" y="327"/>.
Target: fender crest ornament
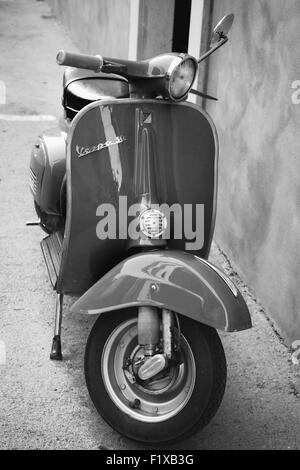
<point x="83" y="151"/>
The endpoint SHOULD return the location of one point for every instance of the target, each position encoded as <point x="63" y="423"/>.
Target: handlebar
<point x="81" y="61"/>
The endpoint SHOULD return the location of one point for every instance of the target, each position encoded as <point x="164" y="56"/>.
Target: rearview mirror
<point x="222" y="29"/>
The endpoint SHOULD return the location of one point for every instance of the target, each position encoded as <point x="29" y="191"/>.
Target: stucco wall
<point x="258" y="221"/>
<point x="97" y="26"/>
<point x="155" y="27"/>
<point x="103" y="26"/>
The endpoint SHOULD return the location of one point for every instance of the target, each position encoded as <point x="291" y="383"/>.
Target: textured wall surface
<point x="97" y="26"/>
<point x="155" y="27"/>
<point x="103" y="26"/>
<point x="258" y="221"/>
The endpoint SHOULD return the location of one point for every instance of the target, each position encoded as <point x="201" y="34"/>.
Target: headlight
<point x="181" y="76"/>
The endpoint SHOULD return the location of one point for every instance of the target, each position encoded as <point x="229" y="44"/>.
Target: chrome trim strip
<point x="225" y="278"/>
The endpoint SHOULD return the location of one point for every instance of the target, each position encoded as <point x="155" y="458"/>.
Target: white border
<point x="133" y="29"/>
<point x="194" y="46"/>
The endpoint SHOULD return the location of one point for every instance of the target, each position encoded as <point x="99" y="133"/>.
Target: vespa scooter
<point x="126" y="190"/>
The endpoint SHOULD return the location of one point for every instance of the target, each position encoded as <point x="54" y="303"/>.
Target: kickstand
<point x="56" y="354"/>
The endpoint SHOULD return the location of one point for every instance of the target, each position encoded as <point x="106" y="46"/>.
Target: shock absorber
<point x="148" y="337"/>
<point x="148" y="329"/>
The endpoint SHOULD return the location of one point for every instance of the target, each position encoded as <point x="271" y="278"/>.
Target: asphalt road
<point x="44" y="404"/>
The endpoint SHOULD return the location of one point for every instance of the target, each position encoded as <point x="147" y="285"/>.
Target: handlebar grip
<point x="81" y="61"/>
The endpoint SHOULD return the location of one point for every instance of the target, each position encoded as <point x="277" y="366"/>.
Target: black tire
<point x="209" y="368"/>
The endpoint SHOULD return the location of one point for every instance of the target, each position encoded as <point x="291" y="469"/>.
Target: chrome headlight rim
<point x="176" y="62"/>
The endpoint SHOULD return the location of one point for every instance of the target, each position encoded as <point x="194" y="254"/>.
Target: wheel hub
<point x="152" y="366"/>
<point x="156" y="393"/>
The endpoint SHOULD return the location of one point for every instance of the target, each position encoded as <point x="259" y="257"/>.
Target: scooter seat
<point x="82" y="87"/>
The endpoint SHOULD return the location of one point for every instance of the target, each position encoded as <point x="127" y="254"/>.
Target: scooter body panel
<point x="124" y="149"/>
<point x="47" y="170"/>
<point x="175" y="280"/>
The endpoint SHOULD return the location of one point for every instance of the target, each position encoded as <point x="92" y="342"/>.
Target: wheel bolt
<point x="123" y="386"/>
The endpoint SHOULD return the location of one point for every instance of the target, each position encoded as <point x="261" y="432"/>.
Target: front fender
<point x="175" y="280"/>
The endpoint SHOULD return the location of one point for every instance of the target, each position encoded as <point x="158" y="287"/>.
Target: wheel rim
<point x="159" y="399"/>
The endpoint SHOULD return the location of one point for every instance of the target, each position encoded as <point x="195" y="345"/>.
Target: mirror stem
<point x="217" y="46"/>
<point x="202" y="95"/>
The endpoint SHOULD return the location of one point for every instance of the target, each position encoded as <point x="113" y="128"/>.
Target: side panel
<point x="47" y="169"/>
<point x="175" y="280"/>
<point x="55" y="146"/>
<point x="121" y="150"/>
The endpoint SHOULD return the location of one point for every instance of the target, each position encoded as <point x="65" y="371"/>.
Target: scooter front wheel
<point x="173" y="405"/>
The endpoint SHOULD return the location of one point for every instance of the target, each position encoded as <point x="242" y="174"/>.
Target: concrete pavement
<point x="43" y="404"/>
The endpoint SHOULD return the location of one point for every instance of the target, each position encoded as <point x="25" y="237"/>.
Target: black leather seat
<point x="82" y="87"/>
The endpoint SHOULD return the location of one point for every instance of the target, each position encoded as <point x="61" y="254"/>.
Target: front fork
<point x="150" y="326"/>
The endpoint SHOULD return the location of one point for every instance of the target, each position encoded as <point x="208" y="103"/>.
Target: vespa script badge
<point x="83" y="151"/>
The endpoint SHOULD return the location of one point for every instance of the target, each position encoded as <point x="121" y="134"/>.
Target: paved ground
<point x="45" y="405"/>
